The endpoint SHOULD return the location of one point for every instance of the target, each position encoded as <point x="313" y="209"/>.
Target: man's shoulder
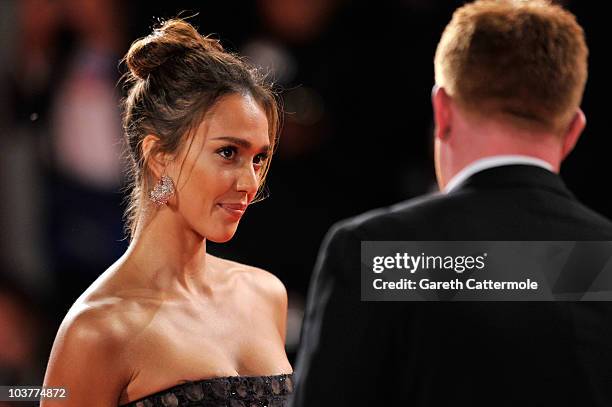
<point x="480" y="215"/>
<point x="415" y="213"/>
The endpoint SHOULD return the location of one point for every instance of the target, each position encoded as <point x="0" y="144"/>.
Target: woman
<point x="168" y="324"/>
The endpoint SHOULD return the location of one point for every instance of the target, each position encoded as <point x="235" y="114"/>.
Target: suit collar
<point x="494" y="161"/>
<point x="516" y="175"/>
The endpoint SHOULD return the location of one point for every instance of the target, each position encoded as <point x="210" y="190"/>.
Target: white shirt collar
<point x="493" y="161"/>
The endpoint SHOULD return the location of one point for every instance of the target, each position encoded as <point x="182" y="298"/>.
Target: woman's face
<point x="220" y="174"/>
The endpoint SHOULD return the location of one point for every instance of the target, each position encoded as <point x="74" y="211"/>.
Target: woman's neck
<point x="169" y="254"/>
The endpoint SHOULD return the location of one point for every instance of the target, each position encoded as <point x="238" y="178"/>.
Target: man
<point x="509" y="81"/>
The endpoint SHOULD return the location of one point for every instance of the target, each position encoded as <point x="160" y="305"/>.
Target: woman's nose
<point x="248" y="181"/>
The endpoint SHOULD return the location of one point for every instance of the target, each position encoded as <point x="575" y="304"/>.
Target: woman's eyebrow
<point x="240" y="142"/>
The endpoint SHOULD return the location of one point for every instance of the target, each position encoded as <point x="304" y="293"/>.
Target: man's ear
<point x="155" y="160"/>
<point x="441" y="103"/>
<point x="573" y="132"/>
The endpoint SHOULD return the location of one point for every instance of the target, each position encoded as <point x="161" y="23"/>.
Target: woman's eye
<point x="227" y="152"/>
<point x="259" y="160"/>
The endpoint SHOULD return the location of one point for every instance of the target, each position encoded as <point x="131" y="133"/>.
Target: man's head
<point x="510" y="76"/>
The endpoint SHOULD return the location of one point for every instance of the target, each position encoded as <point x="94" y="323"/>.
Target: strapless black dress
<point x="231" y="391"/>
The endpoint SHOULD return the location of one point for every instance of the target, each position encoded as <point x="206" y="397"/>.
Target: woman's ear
<point x="153" y="157"/>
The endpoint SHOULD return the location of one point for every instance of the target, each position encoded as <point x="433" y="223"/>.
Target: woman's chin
<point x="222" y="236"/>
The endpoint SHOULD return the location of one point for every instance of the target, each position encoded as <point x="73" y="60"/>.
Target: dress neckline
<point x="222" y="387"/>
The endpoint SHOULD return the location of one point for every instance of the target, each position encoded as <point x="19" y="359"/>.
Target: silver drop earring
<point x="163" y="191"/>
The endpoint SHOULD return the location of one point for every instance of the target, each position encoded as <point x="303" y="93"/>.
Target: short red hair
<point x="522" y="60"/>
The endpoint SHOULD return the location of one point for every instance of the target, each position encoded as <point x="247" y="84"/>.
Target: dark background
<point x="355" y="76"/>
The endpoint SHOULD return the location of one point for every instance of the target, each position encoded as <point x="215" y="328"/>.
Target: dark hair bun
<point x="173" y="37"/>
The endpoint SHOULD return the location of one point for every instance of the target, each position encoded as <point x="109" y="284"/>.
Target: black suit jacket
<point x="414" y="354"/>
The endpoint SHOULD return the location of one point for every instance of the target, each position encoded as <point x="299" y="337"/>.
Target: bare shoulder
<point x="95" y="328"/>
<point x="91" y="351"/>
<point x="268" y="289"/>
<point x="96" y="322"/>
<point x="261" y="281"/>
<point x="106" y="315"/>
<point x="88" y="352"/>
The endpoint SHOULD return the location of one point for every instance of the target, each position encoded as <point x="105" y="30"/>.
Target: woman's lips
<point x="235" y="210"/>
